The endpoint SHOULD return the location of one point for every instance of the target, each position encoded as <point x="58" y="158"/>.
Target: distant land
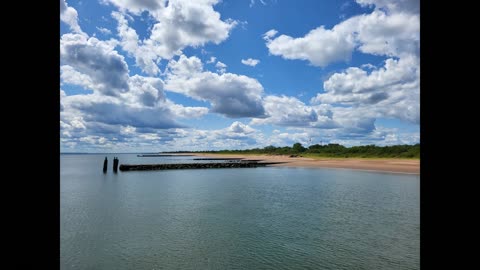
<point x="328" y="150"/>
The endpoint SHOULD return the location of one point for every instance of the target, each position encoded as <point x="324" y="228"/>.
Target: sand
<point x="393" y="165"/>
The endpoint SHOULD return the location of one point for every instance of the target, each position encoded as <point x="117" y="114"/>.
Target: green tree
<point x="298" y="147"/>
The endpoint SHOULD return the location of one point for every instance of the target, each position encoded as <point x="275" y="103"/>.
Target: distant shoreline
<point x="388" y="165"/>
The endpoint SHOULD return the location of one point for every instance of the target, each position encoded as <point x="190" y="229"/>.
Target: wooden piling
<point x="115" y="164"/>
<point x="105" y="165"/>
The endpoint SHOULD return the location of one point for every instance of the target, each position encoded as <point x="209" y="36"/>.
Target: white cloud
<point x="186" y="112"/>
<point x="144" y="106"/>
<point x="188" y="23"/>
<point x="69" y="15"/>
<point x="379" y="136"/>
<point x="93" y="139"/>
<point x="212" y="60"/>
<point x="362" y="132"/>
<point x="291" y="112"/>
<point x="270" y="34"/>
<point x="230" y="94"/>
<point x="104" y="30"/>
<point x="113" y="111"/>
<point x="236" y="136"/>
<point x="289" y="138"/>
<point x="250" y="62"/>
<point x="358" y="81"/>
<point x="286" y="111"/>
<point x="221" y="67"/>
<point x="62" y="95"/>
<point x="368" y="66"/>
<point x="144" y="56"/>
<point x="107" y="70"/>
<point x="380" y="33"/>
<point x="395" y="34"/>
<point x="395" y="6"/>
<point x="178" y="25"/>
<point x="137" y="6"/>
<point x="353" y="123"/>
<point x="127" y="130"/>
<point x="252" y="3"/>
<point x="146" y="91"/>
<point x="320" y="46"/>
<point x="69" y="75"/>
<point x="133" y="112"/>
<point x="239" y="127"/>
<point x="389" y="91"/>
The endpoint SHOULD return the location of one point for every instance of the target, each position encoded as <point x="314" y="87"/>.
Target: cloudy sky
<point x="153" y="75"/>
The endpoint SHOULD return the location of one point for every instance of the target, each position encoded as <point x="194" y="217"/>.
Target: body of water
<point x="256" y="218"/>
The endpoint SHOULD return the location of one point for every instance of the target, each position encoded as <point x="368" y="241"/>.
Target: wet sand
<point x="393" y="165"/>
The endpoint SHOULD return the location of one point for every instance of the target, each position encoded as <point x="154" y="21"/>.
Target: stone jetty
<point x="217" y="158"/>
<point x="180" y="166"/>
<point x="162" y="155"/>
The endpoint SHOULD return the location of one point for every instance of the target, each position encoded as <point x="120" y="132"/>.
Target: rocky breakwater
<point x="181" y="166"/>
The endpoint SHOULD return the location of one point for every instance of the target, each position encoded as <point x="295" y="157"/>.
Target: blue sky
<point x="149" y="75"/>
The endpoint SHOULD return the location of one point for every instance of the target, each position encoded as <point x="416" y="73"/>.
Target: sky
<point x="153" y="75"/>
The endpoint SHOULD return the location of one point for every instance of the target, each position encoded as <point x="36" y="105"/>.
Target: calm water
<point x="259" y="218"/>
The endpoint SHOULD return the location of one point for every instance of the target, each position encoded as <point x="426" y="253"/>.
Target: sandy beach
<point x="411" y="166"/>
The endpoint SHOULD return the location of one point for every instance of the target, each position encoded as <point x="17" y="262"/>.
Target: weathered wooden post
<point x="115" y="164"/>
<point x="105" y="165"/>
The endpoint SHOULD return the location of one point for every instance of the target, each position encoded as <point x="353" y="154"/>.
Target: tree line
<point x="333" y="150"/>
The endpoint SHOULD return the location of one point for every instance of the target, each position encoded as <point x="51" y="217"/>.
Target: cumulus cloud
<point x="104" y="31"/>
<point x="107" y="70"/>
<point x="320" y="46"/>
<point x="354" y="123"/>
<point x="189" y="23"/>
<point x="115" y="112"/>
<point x="270" y="34"/>
<point x="395" y="6"/>
<point x="137" y="6"/>
<point x="286" y="111"/>
<point x="145" y="105"/>
<point x="178" y="25"/>
<point x="221" y="67"/>
<point x="382" y="32"/>
<point x="394" y="34"/>
<point x="230" y="94"/>
<point x="240" y="128"/>
<point x="291" y="112"/>
<point x="389" y="91"/>
<point x="392" y="90"/>
<point x="212" y="60"/>
<point x="69" y="15"/>
<point x="125" y="112"/>
<point x="144" y="56"/>
<point x="70" y="75"/>
<point x="252" y="3"/>
<point x="236" y="136"/>
<point x="289" y="138"/>
<point x="146" y="91"/>
<point x="250" y="62"/>
<point x="378" y="135"/>
<point x="105" y="119"/>
<point x="62" y="95"/>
